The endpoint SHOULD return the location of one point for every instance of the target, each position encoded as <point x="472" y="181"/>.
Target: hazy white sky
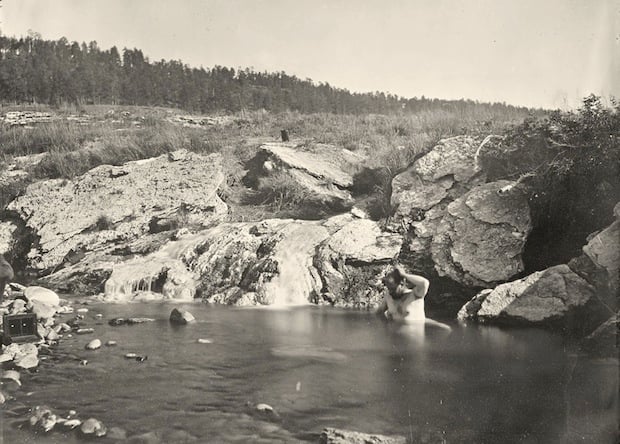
<point x="528" y="52"/>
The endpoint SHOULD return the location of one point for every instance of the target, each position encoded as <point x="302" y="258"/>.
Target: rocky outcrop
<point x="277" y="261"/>
<point x="456" y="225"/>
<point x="116" y="204"/>
<point x="543" y="296"/>
<point x="324" y="171"/>
<point x="480" y="239"/>
<point x="339" y="436"/>
<point x="585" y="288"/>
<point x="445" y="172"/>
<point x="603" y="249"/>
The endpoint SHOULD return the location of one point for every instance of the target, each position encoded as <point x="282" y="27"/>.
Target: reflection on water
<point x="326" y="368"/>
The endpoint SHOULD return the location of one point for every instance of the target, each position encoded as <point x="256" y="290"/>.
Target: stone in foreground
<point x="546" y="295"/>
<point x="181" y="317"/>
<point x="337" y="436"/>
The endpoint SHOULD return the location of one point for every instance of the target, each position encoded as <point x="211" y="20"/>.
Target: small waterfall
<point x="164" y="267"/>
<point x="294" y="254"/>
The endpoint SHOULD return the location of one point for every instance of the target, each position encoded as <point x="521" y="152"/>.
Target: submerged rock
<point x="93" y="427"/>
<point x="94" y="344"/>
<point x="339" y="436"/>
<point x="547" y="295"/>
<point x="43" y="419"/>
<point x="128" y="321"/>
<point x="181" y="317"/>
<point x="603" y="342"/>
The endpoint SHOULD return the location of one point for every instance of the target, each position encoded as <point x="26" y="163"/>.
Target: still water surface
<point x="321" y="368"/>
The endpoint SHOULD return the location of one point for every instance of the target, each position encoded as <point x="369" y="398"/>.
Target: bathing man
<point x="404" y="300"/>
<point x="6" y="275"/>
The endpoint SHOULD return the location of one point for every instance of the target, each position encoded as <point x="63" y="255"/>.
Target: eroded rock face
<point x="275" y="261"/>
<point x="326" y="171"/>
<point x="114" y="204"/>
<point x="604" y="251"/>
<point x="546" y="295"/>
<point x="449" y="168"/>
<point x="480" y="239"/>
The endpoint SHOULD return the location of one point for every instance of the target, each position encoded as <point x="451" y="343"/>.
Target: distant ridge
<point x="33" y="69"/>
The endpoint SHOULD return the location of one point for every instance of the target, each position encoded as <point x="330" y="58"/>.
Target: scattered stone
<point x="84" y="362"/>
<point x="72" y="413"/>
<point x="2" y="398"/>
<point x="84" y="331"/>
<point x="43" y="419"/>
<point x="128" y="321"/>
<point x="42" y="295"/>
<point x="181" y="317"/>
<point x="141" y="358"/>
<point x="110" y="343"/>
<point x="52" y="336"/>
<point x="98" y="316"/>
<point x="93" y="427"/>
<point x="93" y="345"/>
<point x="131" y="356"/>
<point x="204" y="341"/>
<point x="82" y="310"/>
<point x="72" y="423"/>
<point x="65" y="309"/>
<point x="12" y="375"/>
<point x="264" y="407"/>
<point x="27" y="361"/>
<point x="64" y="327"/>
<point x="42" y="310"/>
<point x="337" y="436"/>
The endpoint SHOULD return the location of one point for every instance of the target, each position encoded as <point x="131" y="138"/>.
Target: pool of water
<point x="317" y="368"/>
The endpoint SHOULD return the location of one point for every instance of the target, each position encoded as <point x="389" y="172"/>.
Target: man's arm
<point x="420" y="283"/>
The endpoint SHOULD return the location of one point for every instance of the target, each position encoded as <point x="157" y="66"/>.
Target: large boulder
<point x="115" y="204"/>
<point x="457" y="226"/>
<point x="545" y="296"/>
<point x="480" y="239"/>
<point x="603" y="250"/>
<point x="324" y="171"/>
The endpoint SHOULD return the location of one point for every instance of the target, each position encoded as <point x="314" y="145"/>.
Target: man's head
<point x="392" y="280"/>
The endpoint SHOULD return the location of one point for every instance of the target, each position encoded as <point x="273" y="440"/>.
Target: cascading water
<point x="294" y="253"/>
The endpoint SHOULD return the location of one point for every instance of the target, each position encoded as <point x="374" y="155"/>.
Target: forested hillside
<point x="35" y="70"/>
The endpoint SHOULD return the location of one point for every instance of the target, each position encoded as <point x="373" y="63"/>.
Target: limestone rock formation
<point x="480" y="239"/>
<point x="464" y="229"/>
<point x="325" y="171"/>
<point x="443" y="172"/>
<point x="276" y="261"/>
<point x="546" y="295"/>
<point x="111" y="204"/>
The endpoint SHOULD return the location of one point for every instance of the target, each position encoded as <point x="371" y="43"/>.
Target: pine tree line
<point x="35" y="70"/>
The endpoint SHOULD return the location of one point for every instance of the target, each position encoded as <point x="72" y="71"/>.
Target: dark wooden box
<point x="20" y="328"/>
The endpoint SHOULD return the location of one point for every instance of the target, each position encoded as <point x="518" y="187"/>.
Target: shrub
<point x="104" y="223"/>
<point x="569" y="163"/>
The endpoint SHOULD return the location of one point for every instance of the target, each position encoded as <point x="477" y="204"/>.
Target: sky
<point x="541" y="53"/>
